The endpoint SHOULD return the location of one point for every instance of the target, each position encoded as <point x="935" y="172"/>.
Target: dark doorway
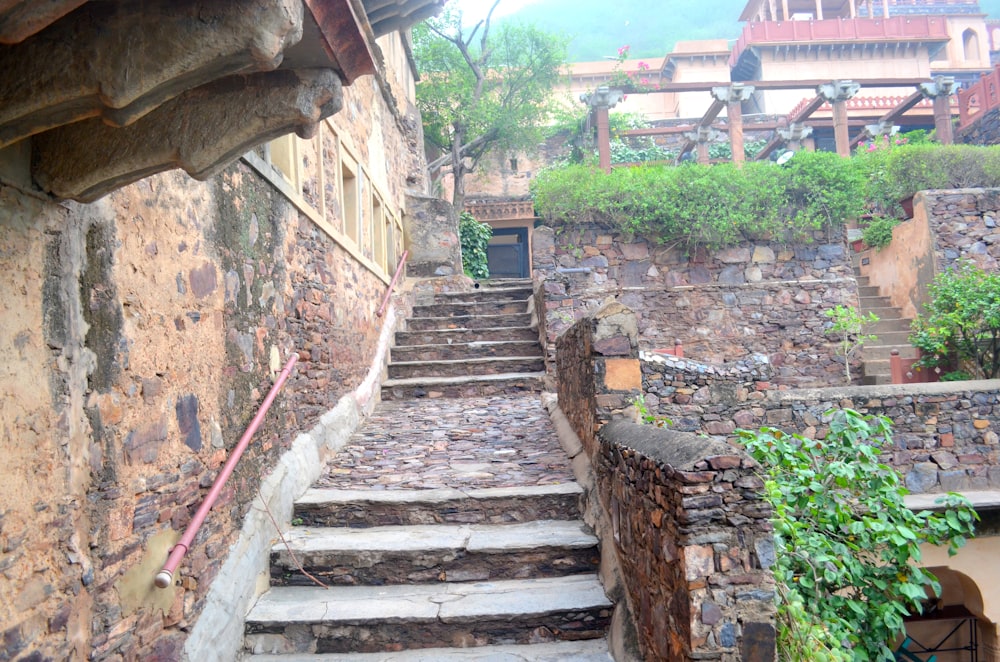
<point x="507" y="253"/>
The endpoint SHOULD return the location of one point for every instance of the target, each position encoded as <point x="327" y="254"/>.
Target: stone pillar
<point x="602" y="100"/>
<point x="701" y="137"/>
<point x="940" y="90"/>
<point x="795" y="135"/>
<point x="837" y="93"/>
<point x="734" y="96"/>
<point x="880" y="129"/>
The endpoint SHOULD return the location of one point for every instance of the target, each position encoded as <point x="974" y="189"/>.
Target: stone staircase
<point x="501" y="573"/>
<point x="892" y="329"/>
<point x="468" y="343"/>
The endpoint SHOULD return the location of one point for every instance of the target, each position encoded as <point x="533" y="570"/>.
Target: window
<point x="350" y="198"/>
<point x="970" y="44"/>
<point x="378" y="233"/>
<point x="284" y="155"/>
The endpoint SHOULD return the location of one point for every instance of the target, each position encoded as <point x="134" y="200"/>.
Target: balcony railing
<point x="978" y="98"/>
<point x="848" y="30"/>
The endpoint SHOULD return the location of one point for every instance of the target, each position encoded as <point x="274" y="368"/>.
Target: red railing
<point x="894" y="28"/>
<point x="979" y="97"/>
<point x="392" y="283"/>
<point x="166" y="575"/>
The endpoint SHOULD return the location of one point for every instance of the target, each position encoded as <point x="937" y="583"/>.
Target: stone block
<point x="699" y="561"/>
<point x="622" y="375"/>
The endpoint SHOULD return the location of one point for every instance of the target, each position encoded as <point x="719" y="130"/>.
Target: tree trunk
<point x="457" y="173"/>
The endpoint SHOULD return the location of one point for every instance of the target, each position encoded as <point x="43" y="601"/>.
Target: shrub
<point x="845" y="542"/>
<point x="962" y="321"/>
<point x="849" y="326"/>
<point x="474" y="236"/>
<point x="877" y="232"/>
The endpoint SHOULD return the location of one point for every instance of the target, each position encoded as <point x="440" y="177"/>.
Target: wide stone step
<point x="463" y="387"/>
<point x="465" y="336"/>
<point x="430" y="553"/>
<point x="490" y="365"/>
<point x="863" y="281"/>
<point x="876" y="367"/>
<point x="502" y="293"/>
<point x="892" y="338"/>
<point x="587" y="650"/>
<point x="467" y="308"/>
<point x="468" y="322"/>
<point x="468" y="350"/>
<point x="865" y="291"/>
<point x="365" y="508"/>
<point x="364" y="619"/>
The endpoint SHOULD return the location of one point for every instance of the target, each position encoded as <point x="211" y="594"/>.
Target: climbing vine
<point x="475" y="237"/>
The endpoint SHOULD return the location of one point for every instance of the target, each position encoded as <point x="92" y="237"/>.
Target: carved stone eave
<point x="200" y="131"/>
<point x="104" y="93"/>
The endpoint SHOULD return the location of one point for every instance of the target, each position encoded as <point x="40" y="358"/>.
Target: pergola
<point x="794" y="128"/>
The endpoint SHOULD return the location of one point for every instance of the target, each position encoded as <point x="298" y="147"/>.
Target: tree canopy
<point x="483" y="88"/>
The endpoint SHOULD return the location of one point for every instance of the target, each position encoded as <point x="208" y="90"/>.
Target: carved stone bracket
<point x="200" y="131"/>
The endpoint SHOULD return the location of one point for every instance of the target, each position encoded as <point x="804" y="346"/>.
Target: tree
<point x="846" y="546"/>
<point x="849" y="325"/>
<point x="488" y="89"/>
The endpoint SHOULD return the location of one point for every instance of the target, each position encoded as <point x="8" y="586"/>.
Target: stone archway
<point x="969" y="584"/>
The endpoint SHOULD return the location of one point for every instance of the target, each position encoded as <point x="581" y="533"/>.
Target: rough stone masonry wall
<point x="944" y="435"/>
<point x="139" y="335"/>
<point x="692" y="536"/>
<point x="695" y="543"/>
<point x="755" y="299"/>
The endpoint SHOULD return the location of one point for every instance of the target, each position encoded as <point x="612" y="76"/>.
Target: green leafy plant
<point x="846" y="546"/>
<point x="961" y="323"/>
<point x="849" y="325"/>
<point x="475" y="237"/>
<point x="877" y="232"/>
<point x="642" y="409"/>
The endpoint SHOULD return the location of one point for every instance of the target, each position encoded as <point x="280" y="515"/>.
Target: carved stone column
<point x="601" y="100"/>
<point x="940" y="90"/>
<point x="837" y="93"/>
<point x="702" y="137"/>
<point x="795" y="135"/>
<point x="734" y="96"/>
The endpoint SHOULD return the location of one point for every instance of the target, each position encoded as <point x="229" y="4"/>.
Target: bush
<point x="711" y="206"/>
<point x="845" y="542"/>
<point x="877" y="232"/>
<point x="962" y="321"/>
<point x="475" y="236"/>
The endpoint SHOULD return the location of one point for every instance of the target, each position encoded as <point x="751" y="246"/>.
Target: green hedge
<point x="721" y="205"/>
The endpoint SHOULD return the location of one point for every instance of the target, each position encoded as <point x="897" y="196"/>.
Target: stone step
<point x="465" y="336"/>
<point x="363" y="508"/>
<point x="875" y="301"/>
<point x="876" y="351"/>
<point x="876" y="367"/>
<point x="500" y="293"/>
<point x="876" y="380"/>
<point x="865" y="291"/>
<point x="891" y="338"/>
<point x="463" y="387"/>
<point x="587" y="650"/>
<point x="863" y="281"/>
<point x="468" y="350"/>
<point x="888" y="325"/>
<point x="428" y="553"/>
<point x="468" y="322"/>
<point x="490" y="365"/>
<point x="468" y="308"/>
<point x="364" y="619"/>
<point x="885" y="313"/>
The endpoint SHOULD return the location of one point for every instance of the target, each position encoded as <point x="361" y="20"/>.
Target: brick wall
<point x="728" y="305"/>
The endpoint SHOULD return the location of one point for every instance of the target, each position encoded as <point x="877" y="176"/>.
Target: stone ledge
<point x="883" y="390"/>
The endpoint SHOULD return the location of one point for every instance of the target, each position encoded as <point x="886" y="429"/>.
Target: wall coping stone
<point x="680" y="450"/>
<point x="883" y="390"/>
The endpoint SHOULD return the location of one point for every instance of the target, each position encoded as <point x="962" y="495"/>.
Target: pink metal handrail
<point x="392" y="283"/>
<point x="166" y="575"/>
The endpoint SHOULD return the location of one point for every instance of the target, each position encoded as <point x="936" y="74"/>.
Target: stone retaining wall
<point x="755" y="299"/>
<point x="692" y="535"/>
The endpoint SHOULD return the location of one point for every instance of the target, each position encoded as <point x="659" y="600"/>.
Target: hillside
<point x="651" y="27"/>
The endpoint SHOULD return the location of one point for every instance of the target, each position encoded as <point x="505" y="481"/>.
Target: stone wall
<point x="692" y="537"/>
<point x="695" y="543"/>
<point x="140" y="334"/>
<point x="752" y="300"/>
<point x="986" y="131"/>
